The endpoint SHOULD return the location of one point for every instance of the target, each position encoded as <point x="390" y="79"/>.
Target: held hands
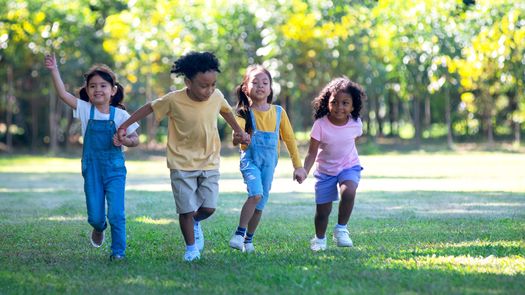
<point x="299" y="174"/>
<point x="242" y="138"/>
<point x="116" y="141"/>
<point x="121" y="133"/>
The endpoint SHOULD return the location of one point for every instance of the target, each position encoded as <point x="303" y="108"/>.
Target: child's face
<point x="202" y="86"/>
<point x="100" y="91"/>
<point x="258" y="87"/>
<point x="340" y="106"/>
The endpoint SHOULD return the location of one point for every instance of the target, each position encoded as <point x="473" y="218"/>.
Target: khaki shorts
<point x="194" y="189"/>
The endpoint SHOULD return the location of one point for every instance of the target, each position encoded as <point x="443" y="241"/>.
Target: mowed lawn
<point x="440" y="223"/>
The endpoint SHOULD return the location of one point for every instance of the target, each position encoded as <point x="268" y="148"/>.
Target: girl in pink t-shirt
<point x="332" y="146"/>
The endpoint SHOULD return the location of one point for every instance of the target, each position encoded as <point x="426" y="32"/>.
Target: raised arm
<point x="68" y="98"/>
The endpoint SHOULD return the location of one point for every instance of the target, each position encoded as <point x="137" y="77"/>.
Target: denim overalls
<point x="104" y="175"/>
<point x="258" y="161"/>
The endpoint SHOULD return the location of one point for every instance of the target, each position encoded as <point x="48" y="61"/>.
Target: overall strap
<point x="252" y="117"/>
<point x="111" y="113"/>
<point x="92" y="112"/>
<point x="278" y="110"/>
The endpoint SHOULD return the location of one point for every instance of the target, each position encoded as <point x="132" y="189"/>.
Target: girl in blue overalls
<point x="265" y="123"/>
<point x="100" y="112"/>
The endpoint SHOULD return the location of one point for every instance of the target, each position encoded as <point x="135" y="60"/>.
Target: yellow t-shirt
<point x="265" y="121"/>
<point x="193" y="137"/>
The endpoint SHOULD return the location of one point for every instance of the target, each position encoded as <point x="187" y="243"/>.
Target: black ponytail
<point x="243" y="108"/>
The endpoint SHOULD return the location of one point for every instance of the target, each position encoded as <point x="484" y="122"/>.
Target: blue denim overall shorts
<point x="259" y="160"/>
<point x="104" y="175"/>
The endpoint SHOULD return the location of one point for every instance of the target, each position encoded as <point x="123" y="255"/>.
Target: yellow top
<point x="266" y="120"/>
<point x="193" y="137"/>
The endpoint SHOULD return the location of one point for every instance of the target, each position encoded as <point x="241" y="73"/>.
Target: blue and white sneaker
<point x="192" y="255"/>
<point x="199" y="236"/>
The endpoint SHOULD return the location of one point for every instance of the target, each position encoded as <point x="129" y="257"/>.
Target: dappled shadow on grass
<point x="437" y="203"/>
<point x="418" y="256"/>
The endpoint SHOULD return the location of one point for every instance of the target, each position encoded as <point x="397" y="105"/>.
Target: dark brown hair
<point x="243" y="102"/>
<point x="337" y="85"/>
<point x="109" y="76"/>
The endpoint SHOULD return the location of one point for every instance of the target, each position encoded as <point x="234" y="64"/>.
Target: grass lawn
<point x="422" y="223"/>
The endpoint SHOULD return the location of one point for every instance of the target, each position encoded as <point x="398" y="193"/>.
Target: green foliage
<point x="421" y="62"/>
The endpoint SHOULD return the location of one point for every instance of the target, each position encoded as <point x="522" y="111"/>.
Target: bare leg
<point x="254" y="221"/>
<point x="348" y="191"/>
<point x="322" y="214"/>
<point x="203" y="213"/>
<point x="186" y="227"/>
<point x="248" y="210"/>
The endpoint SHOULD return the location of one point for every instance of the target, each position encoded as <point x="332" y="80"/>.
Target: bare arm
<point x="311" y="155"/>
<point x="138" y="115"/>
<point x="68" y="98"/>
<point x="239" y="136"/>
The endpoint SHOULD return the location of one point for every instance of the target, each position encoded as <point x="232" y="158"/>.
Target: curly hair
<point x="243" y="102"/>
<point x="193" y="63"/>
<point x="109" y="76"/>
<point x="338" y="85"/>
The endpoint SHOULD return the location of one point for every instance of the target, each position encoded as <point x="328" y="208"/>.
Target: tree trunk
<point x="53" y="124"/>
<point x="448" y="119"/>
<point x="379" y="119"/>
<point x="150" y="120"/>
<point x="417" y="120"/>
<point x="9" y="108"/>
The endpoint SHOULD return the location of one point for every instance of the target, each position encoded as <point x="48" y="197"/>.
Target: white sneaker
<point x="342" y="237"/>
<point x="192" y="255"/>
<point x="318" y="244"/>
<point x="199" y="236"/>
<point x="237" y="242"/>
<point x="249" y="248"/>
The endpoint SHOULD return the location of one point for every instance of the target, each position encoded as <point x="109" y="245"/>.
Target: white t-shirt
<point x="82" y="113"/>
<point x="337" y="149"/>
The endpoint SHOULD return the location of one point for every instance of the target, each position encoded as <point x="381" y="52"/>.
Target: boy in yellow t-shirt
<point x="193" y="148"/>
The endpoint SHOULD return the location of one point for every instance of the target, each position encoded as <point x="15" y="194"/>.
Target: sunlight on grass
<point x="512" y="265"/>
<point x="64" y="218"/>
<point x="149" y="220"/>
<point x="478" y="243"/>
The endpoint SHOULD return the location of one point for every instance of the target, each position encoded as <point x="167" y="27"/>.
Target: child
<point x="100" y="112"/>
<point x="193" y="148"/>
<point x="265" y="122"/>
<point x="332" y="142"/>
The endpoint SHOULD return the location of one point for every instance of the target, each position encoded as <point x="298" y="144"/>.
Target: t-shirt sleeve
<point x="161" y="106"/>
<point x="316" y="131"/>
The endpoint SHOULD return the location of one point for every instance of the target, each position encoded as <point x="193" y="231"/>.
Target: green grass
<point x="440" y="223"/>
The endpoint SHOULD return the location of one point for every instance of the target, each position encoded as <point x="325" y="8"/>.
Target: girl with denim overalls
<point x="100" y="112"/>
<point x="265" y="123"/>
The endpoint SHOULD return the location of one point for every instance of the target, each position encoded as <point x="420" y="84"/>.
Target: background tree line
<point x="452" y="69"/>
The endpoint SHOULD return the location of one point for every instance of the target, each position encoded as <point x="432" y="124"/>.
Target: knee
<point x="255" y="199"/>
<point x="348" y="195"/>
<point x="98" y="223"/>
<point x="207" y="211"/>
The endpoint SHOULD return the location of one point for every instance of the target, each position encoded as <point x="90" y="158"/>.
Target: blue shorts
<point x="326" y="185"/>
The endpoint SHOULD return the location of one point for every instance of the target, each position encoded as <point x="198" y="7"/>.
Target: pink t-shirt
<point x="337" y="149"/>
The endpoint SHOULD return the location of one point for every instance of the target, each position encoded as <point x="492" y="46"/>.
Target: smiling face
<point x="339" y="107"/>
<point x="201" y="86"/>
<point x="258" y="87"/>
<point x="100" y="91"/>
